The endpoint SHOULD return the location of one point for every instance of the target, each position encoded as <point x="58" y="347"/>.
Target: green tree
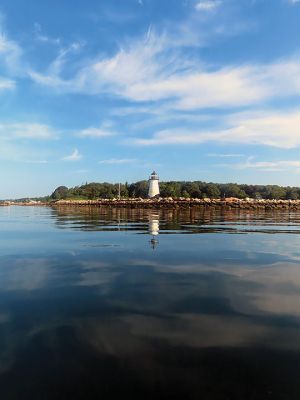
<point x="171" y="189"/>
<point x="193" y="189"/>
<point x="141" y="189"/>
<point x="292" y="194"/>
<point x="60" y="192"/>
<point x="276" y="192"/>
<point x="213" y="191"/>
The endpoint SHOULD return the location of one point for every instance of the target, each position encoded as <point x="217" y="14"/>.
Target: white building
<point x="153" y="185"/>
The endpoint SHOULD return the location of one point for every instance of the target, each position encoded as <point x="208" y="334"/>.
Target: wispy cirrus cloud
<point x="207" y="5"/>
<point x="74" y="156"/>
<point x="151" y="70"/>
<point x="52" y="77"/>
<point x="271" y="164"/>
<point x="22" y="142"/>
<point x="118" y="161"/>
<point x="10" y="54"/>
<point x="7" y="84"/>
<point x="26" y="130"/>
<point x="93" y="132"/>
<point x="293" y="2"/>
<point x="280" y="130"/>
<point x="23" y="153"/>
<point x="35" y="161"/>
<point x="268" y="166"/>
<point x="229" y="155"/>
<point x="40" y="36"/>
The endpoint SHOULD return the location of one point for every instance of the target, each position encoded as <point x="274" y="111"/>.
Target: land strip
<point x="160" y="203"/>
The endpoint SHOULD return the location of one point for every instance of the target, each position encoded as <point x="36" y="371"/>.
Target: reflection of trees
<point x="192" y="220"/>
<point x="133" y="319"/>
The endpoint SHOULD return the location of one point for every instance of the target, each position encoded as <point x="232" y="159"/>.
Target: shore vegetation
<point x="175" y="189"/>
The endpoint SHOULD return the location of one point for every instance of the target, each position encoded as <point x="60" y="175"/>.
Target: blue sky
<point x="109" y="90"/>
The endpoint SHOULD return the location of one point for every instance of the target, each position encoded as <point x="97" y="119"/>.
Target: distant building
<point x="153" y="185"/>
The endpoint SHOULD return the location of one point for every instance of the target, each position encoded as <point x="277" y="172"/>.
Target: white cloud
<point x="81" y="171"/>
<point x="23" y="152"/>
<point x="229" y="155"/>
<point x="293" y="2"/>
<point x="7" y="84"/>
<point x="270" y="166"/>
<point x="25" y="130"/>
<point x="128" y="67"/>
<point x="118" y="161"/>
<point x="275" y="129"/>
<point x="96" y="132"/>
<point x="151" y="70"/>
<point x="10" y="54"/>
<point x="41" y="37"/>
<point x="75" y="156"/>
<point x="52" y="76"/>
<point x="222" y="88"/>
<point x="51" y="80"/>
<point x="57" y="65"/>
<point x="35" y="161"/>
<point x="264" y="164"/>
<point x="142" y="61"/>
<point x="207" y="5"/>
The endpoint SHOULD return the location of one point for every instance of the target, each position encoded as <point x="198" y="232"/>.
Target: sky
<point x="109" y="90"/>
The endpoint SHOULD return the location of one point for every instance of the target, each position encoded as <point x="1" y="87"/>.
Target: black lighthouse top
<point x="154" y="176"/>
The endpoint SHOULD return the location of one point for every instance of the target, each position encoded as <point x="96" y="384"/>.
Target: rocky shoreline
<point x="169" y="203"/>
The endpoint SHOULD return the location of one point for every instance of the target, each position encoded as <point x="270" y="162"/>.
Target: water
<point x="108" y="303"/>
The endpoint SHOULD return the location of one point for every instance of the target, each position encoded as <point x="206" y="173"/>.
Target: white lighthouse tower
<point x="153" y="185"/>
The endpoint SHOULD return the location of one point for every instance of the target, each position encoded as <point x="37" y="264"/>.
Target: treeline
<point x="175" y="189"/>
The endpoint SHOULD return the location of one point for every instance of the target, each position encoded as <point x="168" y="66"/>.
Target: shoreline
<point x="168" y="203"/>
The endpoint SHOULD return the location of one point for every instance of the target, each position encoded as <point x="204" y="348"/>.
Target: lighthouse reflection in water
<point x="153" y="229"/>
<point x="89" y="310"/>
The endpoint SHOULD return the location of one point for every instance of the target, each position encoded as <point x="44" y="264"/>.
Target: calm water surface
<point x="102" y="304"/>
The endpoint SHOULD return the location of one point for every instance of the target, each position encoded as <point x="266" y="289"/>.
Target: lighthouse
<point x="153" y="185"/>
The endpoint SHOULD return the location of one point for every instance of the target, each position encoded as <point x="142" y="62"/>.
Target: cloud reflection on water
<point x="107" y="294"/>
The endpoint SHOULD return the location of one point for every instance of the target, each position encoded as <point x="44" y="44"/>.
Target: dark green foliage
<point x="213" y="191"/>
<point x="60" y="193"/>
<point x="138" y="189"/>
<point x="175" y="189"/>
<point x="170" y="189"/>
